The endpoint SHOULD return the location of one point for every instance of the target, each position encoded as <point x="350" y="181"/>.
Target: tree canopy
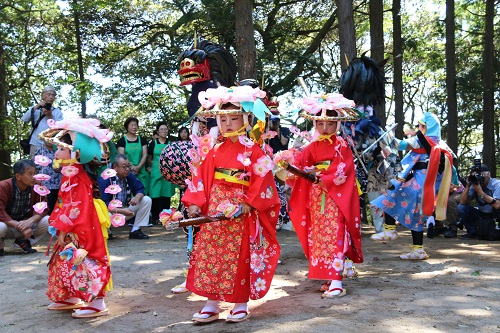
<point x="127" y="53"/>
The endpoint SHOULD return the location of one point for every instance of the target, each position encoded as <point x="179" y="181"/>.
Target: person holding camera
<point x="280" y="141"/>
<point x="39" y="115"/>
<point x="486" y="191"/>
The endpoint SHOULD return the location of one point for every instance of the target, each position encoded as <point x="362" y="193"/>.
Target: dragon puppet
<point x="205" y="65"/>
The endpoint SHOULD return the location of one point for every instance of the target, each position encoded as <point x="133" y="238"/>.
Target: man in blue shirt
<point x="486" y="191"/>
<point x="134" y="202"/>
<point x="40" y="114"/>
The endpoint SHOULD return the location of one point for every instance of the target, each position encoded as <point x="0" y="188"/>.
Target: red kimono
<point x="328" y="223"/>
<point x="234" y="260"/>
<point x="76" y="215"/>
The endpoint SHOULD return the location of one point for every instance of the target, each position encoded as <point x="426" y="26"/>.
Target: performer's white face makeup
<point x="326" y="127"/>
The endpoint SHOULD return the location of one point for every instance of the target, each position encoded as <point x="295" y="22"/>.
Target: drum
<point x="174" y="161"/>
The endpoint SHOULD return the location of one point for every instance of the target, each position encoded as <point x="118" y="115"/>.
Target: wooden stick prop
<point x="299" y="173"/>
<point x="196" y="221"/>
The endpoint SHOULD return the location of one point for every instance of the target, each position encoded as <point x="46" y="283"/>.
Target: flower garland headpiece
<point x="315" y="107"/>
<point x="86" y="135"/>
<point x="246" y="98"/>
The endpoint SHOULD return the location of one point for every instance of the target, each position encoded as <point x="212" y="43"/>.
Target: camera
<point x="476" y="178"/>
<point x="47" y="106"/>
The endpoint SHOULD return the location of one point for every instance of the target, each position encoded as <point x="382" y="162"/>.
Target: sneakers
<point x="385" y="235"/>
<point x="417" y="253"/>
<point x="24" y="245"/>
<point x="137" y="235"/>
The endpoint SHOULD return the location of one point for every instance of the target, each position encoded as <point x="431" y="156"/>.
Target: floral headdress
<point x="247" y="99"/>
<point x="315" y="107"/>
<point x="86" y="136"/>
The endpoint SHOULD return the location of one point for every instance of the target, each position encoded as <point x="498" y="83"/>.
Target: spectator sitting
<point x="132" y="197"/>
<point x="487" y="194"/>
<point x="39" y="114"/>
<point x="17" y="197"/>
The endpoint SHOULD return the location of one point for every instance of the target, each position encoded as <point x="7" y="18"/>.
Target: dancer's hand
<point x="193" y="210"/>
<point x="245" y="208"/>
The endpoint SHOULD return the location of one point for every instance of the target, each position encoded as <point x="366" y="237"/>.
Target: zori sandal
<point x="95" y="312"/>
<point x="233" y="317"/>
<point x="330" y="294"/>
<point x="205" y="317"/>
<point x="63" y="305"/>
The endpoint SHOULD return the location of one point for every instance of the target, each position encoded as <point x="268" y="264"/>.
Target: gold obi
<point x="322" y="165"/>
<point x="231" y="176"/>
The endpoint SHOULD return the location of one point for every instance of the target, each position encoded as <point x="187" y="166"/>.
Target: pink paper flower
<point x="117" y="220"/>
<point x="41" y="190"/>
<point x="295" y="130"/>
<point x="39" y="207"/>
<point x="268" y="135"/>
<point x="266" y="161"/>
<point x="42" y="160"/>
<point x="41" y="176"/>
<point x="108" y="173"/>
<point x="206" y="140"/>
<point x="306" y="135"/>
<point x="113" y="189"/>
<point x="204" y="149"/>
<point x="243" y="159"/>
<point x="69" y="171"/>
<point x="260" y="169"/>
<point x="245" y="141"/>
<point x="193" y="153"/>
<point x="114" y="204"/>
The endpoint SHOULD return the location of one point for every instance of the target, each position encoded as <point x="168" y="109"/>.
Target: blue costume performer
<point x="422" y="186"/>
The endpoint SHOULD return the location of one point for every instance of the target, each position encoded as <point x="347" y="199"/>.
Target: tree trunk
<point x="347" y="35"/>
<point x="5" y="160"/>
<point x="451" y="81"/>
<point x="81" y="87"/>
<point x="245" y="40"/>
<point x="398" y="68"/>
<point x="377" y="44"/>
<point x="488" y="94"/>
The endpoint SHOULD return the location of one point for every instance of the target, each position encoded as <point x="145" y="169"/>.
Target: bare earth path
<point x="456" y="290"/>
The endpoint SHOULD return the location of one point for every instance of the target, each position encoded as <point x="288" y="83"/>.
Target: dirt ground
<point x="456" y="290"/>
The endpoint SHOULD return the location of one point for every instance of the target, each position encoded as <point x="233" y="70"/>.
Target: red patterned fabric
<point x="234" y="260"/>
<point x="76" y="215"/>
<point x="328" y="222"/>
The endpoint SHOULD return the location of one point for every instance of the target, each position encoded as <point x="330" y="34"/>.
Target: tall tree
<point x="397" y="53"/>
<point x="81" y="68"/>
<point x="347" y="34"/>
<point x="4" y="151"/>
<point x="377" y="44"/>
<point x="245" y="40"/>
<point x="488" y="94"/>
<point x="451" y="73"/>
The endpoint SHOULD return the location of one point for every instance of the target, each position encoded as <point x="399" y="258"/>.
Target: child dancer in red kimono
<point x="235" y="259"/>
<point x="326" y="214"/>
<point x="79" y="269"/>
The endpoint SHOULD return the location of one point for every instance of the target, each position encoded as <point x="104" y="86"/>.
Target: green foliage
<point x="130" y="51"/>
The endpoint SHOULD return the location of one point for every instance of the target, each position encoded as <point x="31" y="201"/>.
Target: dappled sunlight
<point x="147" y="262"/>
